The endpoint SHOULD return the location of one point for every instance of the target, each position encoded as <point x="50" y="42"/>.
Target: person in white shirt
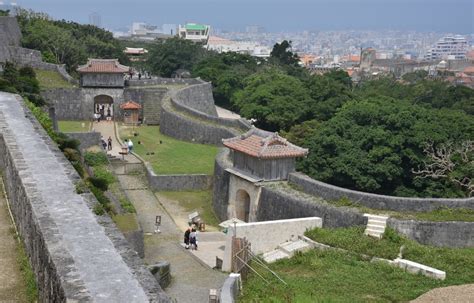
<point x="130" y="145"/>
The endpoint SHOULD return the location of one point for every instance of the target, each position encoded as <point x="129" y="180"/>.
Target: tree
<point x="275" y="99"/>
<point x="167" y="56"/>
<point x="454" y="163"/>
<point x="373" y="145"/>
<point x="283" y="54"/>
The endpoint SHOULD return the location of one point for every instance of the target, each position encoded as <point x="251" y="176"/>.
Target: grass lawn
<point x="49" y="79"/>
<point x="458" y="263"/>
<point x="200" y="201"/>
<point x="172" y="156"/>
<point x="335" y="276"/>
<point x="330" y="276"/>
<point x="74" y="126"/>
<point x="126" y="222"/>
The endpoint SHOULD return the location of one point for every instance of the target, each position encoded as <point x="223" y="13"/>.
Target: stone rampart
<point x="451" y="234"/>
<point x="163" y="81"/>
<point x="87" y="139"/>
<point x="177" y="182"/>
<point x="10" y="34"/>
<point x="276" y="204"/>
<point x="76" y="256"/>
<point x="331" y="192"/>
<point x="185" y="127"/>
<point x="220" y="191"/>
<point x="197" y="97"/>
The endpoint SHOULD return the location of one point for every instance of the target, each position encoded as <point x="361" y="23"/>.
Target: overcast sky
<point x="454" y="16"/>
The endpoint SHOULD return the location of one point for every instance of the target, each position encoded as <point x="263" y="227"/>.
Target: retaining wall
<point x="75" y="255"/>
<point x="276" y="204"/>
<point x="451" y="234"/>
<point x="87" y="140"/>
<point x="331" y="192"/>
<point x="177" y="182"/>
<point x="197" y="97"/>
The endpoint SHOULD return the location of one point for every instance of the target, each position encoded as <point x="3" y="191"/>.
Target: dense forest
<point x="66" y="42"/>
<point x="384" y="135"/>
<point x="408" y="137"/>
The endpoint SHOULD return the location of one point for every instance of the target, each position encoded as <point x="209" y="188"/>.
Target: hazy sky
<point x="454" y="16"/>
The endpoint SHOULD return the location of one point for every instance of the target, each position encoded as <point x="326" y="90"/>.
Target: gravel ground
<point x="452" y="294"/>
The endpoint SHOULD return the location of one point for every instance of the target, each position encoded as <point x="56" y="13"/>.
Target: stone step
<point x="291" y="247"/>
<point x="275" y="255"/>
<point x="376" y="217"/>
<point x="376" y="227"/>
<point x="377" y="223"/>
<point x="373" y="233"/>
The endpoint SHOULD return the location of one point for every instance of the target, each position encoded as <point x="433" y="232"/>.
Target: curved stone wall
<point x="331" y="192"/>
<point x="185" y="127"/>
<point x="163" y="81"/>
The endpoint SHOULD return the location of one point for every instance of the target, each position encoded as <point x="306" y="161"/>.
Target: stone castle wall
<point x="76" y="256"/>
<point x="331" y="192"/>
<point x="177" y="182"/>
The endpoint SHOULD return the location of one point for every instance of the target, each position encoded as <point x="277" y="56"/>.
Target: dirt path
<point x="12" y="287"/>
<point x="454" y="294"/>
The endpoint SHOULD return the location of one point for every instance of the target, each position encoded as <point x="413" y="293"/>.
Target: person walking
<point x="186" y="237"/>
<point x="193" y="239"/>
<point x="130" y="145"/>
<point x="109" y="143"/>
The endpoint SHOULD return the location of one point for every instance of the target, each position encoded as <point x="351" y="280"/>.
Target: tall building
<point x="95" y="19"/>
<point x="451" y="47"/>
<point x="169" y="29"/>
<point x="194" y="32"/>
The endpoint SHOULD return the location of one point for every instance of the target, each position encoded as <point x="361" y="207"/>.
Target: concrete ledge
<point x="416" y="268"/>
<point x="231" y="289"/>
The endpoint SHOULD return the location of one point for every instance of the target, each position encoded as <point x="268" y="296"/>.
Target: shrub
<point x="71" y="154"/>
<point x="95" y="159"/>
<point x="81" y="187"/>
<point x="101" y="172"/>
<point x="99" y="209"/>
<point x="78" y="167"/>
<point x="99" y="183"/>
<point x="65" y="142"/>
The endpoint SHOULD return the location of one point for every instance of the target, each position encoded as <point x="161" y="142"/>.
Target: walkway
<point x="191" y="279"/>
<point x="12" y="286"/>
<point x="225" y="113"/>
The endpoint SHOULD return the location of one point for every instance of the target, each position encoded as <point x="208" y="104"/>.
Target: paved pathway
<point x="12" y="286"/>
<point x="191" y="279"/>
<point x="225" y="113"/>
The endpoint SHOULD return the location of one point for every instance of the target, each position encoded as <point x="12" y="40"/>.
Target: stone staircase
<point x="152" y="105"/>
<point x="375" y="225"/>
<point x="286" y="250"/>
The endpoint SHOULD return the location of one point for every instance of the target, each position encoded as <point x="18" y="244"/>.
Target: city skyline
<point x="420" y="15"/>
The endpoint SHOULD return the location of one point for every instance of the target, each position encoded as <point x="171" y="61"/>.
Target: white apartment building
<point x="194" y="32"/>
<point x="451" y="47"/>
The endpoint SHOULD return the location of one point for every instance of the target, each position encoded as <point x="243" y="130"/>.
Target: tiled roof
<point x="130" y="105"/>
<point x="108" y="66"/>
<point x="269" y="147"/>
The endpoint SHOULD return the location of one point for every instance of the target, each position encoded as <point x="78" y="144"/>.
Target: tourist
<point x="139" y="76"/>
<point x="186" y="237"/>
<point x="109" y="143"/>
<point x="193" y="242"/>
<point x="104" y="144"/>
<point x="97" y="117"/>
<point x="130" y="145"/>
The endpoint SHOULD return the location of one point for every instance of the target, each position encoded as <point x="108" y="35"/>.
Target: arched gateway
<point x="242" y="205"/>
<point x="104" y="106"/>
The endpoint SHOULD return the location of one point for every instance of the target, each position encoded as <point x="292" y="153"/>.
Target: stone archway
<point x="242" y="205"/>
<point x="104" y="106"/>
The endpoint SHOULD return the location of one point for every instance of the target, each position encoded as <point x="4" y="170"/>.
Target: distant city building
<point x="194" y="32"/>
<point x="144" y="31"/>
<point x="95" y="19"/>
<point x="254" y="29"/>
<point x="169" y="29"/>
<point x="451" y="47"/>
